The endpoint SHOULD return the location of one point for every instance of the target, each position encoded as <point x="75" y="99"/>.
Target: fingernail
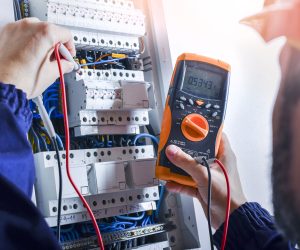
<point x="172" y="150"/>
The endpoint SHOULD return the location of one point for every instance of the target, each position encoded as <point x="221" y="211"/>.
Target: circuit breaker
<point x="115" y="104"/>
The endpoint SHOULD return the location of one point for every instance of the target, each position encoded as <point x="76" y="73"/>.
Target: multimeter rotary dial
<point x="194" y="127"/>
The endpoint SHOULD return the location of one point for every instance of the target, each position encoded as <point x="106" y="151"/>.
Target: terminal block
<point x="91" y="15"/>
<point x="87" y="40"/>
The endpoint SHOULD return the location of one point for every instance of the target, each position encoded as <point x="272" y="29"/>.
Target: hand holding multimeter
<point x="194" y="113"/>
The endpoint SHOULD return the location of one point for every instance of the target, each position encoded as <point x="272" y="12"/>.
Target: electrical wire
<point x="51" y="110"/>
<point x="18" y="10"/>
<point x="49" y="131"/>
<point x="58" y="139"/>
<point x="36" y="139"/>
<point x="60" y="184"/>
<point x="224" y="238"/>
<point x="209" y="204"/>
<point x="43" y="132"/>
<point x="67" y="145"/>
<point x="101" y="57"/>
<point x="144" y="135"/>
<point x="122" y="217"/>
<point x="161" y="195"/>
<point x="104" y="61"/>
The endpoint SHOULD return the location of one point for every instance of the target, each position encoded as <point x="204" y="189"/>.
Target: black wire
<point x="209" y="204"/>
<point x="54" y="142"/>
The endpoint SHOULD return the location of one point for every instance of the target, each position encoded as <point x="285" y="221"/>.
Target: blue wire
<point x="124" y="223"/>
<point x="162" y="191"/>
<point x="133" y="226"/>
<point x="53" y="90"/>
<point x="104" y="61"/>
<point x="122" y="217"/>
<point x="58" y="139"/>
<point x="36" y="140"/>
<point x="144" y="135"/>
<point x="49" y="100"/>
<point x="51" y="110"/>
<point x="43" y="140"/>
<point x="147" y="220"/>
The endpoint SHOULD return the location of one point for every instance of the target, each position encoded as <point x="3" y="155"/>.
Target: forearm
<point x="16" y="159"/>
<point x="252" y="227"/>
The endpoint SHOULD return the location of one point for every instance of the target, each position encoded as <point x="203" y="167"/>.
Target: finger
<point x="30" y="20"/>
<point x="187" y="163"/>
<point x="225" y="153"/>
<point x="57" y="34"/>
<point x="66" y="67"/>
<point x="182" y="189"/>
<point x="64" y="36"/>
<point x="224" y="145"/>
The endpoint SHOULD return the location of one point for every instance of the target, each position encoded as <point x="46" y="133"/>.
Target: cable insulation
<point x="67" y="146"/>
<point x="209" y="204"/>
<point x="224" y="238"/>
<point x="54" y="143"/>
<point x="145" y="135"/>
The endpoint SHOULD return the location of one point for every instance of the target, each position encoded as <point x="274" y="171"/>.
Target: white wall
<point x="211" y="28"/>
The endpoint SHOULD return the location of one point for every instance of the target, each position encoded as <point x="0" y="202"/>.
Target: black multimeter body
<point x="194" y="113"/>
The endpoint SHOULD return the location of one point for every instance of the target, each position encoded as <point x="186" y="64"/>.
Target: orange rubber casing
<point x="165" y="173"/>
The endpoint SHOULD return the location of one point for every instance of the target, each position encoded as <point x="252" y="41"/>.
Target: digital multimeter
<point x="194" y="113"/>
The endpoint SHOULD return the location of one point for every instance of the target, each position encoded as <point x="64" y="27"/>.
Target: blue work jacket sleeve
<point x="16" y="159"/>
<point x="21" y="224"/>
<point x="252" y="228"/>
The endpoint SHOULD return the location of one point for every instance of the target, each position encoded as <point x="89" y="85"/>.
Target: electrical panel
<point x="114" y="106"/>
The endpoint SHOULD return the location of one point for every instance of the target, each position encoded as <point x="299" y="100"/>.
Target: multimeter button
<point x="191" y="102"/>
<point x="182" y="98"/>
<point x="214" y="114"/>
<point x="199" y="102"/>
<point x="181" y="106"/>
<point x="208" y="105"/>
<point x="216" y="106"/>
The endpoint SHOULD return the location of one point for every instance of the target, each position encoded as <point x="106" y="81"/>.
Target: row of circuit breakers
<point x="109" y="100"/>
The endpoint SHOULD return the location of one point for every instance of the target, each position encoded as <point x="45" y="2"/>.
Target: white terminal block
<point x="104" y="118"/>
<point x="129" y="197"/>
<point x="107" y="75"/>
<point x="114" y="4"/>
<point x="110" y="176"/>
<point x="87" y="40"/>
<point x="90" y="15"/>
<point x="107" y="177"/>
<point x="117" y="154"/>
<point x="47" y="181"/>
<point x="106" y="130"/>
<point x="80" y="216"/>
<point x="141" y="173"/>
<point x="47" y="178"/>
<point x="105" y="95"/>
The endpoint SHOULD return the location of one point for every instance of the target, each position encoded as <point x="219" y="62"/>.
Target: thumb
<point x="188" y="164"/>
<point x="66" y="66"/>
<point x="52" y="68"/>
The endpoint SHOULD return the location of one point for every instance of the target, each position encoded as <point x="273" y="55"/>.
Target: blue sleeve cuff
<point x="250" y="224"/>
<point x="17" y="101"/>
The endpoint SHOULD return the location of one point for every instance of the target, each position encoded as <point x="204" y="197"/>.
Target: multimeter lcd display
<point x="202" y="83"/>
